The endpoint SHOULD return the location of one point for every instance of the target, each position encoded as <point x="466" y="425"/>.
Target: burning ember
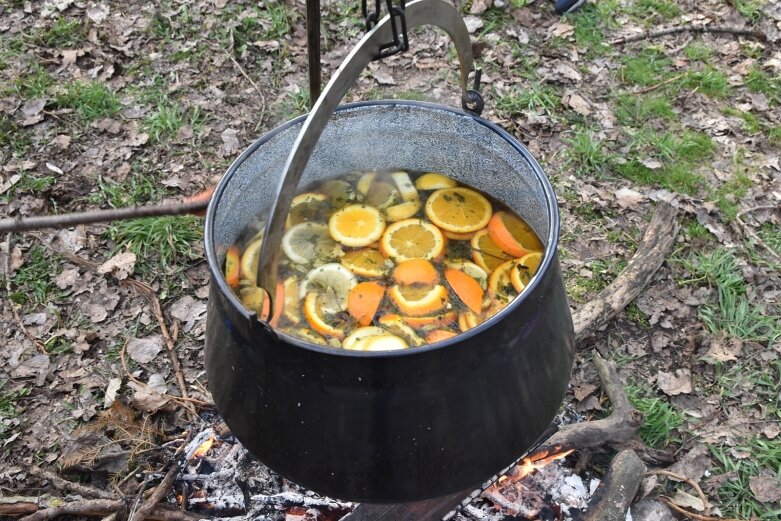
<point x="203" y="448"/>
<point x="532" y="463"/>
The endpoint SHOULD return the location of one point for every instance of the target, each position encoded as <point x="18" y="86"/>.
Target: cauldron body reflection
<point x="397" y="426"/>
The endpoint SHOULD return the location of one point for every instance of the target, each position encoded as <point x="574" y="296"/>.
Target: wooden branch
<point x="617" y="489"/>
<point x="42" y="509"/>
<point x="429" y="510"/>
<point x="657" y="241"/>
<point x="64" y="484"/>
<point x="617" y="429"/>
<point x="160" y="492"/>
<point x="19" y="224"/>
<point x="693" y="29"/>
<point x="293" y="499"/>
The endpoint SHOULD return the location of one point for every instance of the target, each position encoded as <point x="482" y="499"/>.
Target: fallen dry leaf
<point x="230" y="143"/>
<point x="694" y="463"/>
<point x="479" y="6"/>
<point x="120" y="265"/>
<point x="723" y="349"/>
<point x="675" y="384"/>
<point x="144" y="350"/>
<point x="110" y="393"/>
<point x="628" y="198"/>
<point x="686" y="500"/>
<point x="766" y="489"/>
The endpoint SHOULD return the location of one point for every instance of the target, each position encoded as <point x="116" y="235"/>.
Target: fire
<point x="532" y="464"/>
<point x="204" y="447"/>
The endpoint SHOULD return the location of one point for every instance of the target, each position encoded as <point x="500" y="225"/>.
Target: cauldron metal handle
<point x="417" y="13"/>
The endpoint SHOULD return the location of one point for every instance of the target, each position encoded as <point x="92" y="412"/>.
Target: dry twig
<point x="660" y="84"/>
<point x="57" y="507"/>
<point x="737" y="31"/>
<point x="679" y="477"/>
<point x="694" y="515"/>
<point x="19" y="223"/>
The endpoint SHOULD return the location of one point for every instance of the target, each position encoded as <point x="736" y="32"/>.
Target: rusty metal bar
<point x="313" y="49"/>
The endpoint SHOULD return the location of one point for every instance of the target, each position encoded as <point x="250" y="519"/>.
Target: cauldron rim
<point x="549" y="254"/>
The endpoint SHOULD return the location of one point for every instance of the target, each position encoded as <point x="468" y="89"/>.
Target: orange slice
<point x="471" y="269"/>
<point x="467" y="288"/>
<point x="412" y="239"/>
<point x="486" y="253"/>
<point x="356" y="225"/>
<point x="254" y="299"/>
<point x="500" y="282"/>
<point x="458" y="236"/>
<point x="415" y="271"/>
<point x="316" y="320"/>
<point x="307" y="207"/>
<point x="364" y="300"/>
<point x="396" y="325"/>
<point x="525" y="269"/>
<point x="438" y="335"/>
<point x="434" y="181"/>
<point x="402" y="211"/>
<point x="367" y="262"/>
<point x="459" y="210"/>
<point x="232" y="266"/>
<point x="513" y="235"/>
<point x="418" y="300"/>
<point x="443" y="319"/>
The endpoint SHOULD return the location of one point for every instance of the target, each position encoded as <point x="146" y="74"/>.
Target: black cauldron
<point x="395" y="426"/>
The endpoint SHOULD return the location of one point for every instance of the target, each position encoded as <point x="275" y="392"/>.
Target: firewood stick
<point x="43" y="509"/>
<point x="657" y="241"/>
<point x="160" y="492"/>
<point x="737" y="31"/>
<point x="617" y="429"/>
<point x="64" y="484"/>
<point x="617" y="490"/>
<point x="293" y="499"/>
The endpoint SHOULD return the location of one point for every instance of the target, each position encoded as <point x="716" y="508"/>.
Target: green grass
<point x="636" y="110"/>
<point x="735" y="495"/>
<point x="8" y="405"/>
<point x="649" y="67"/>
<point x="661" y="418"/>
<point x="678" y="153"/>
<point x="495" y="19"/>
<point x="774" y="134"/>
<point x="89" y="100"/>
<point x="159" y="242"/>
<point x="35" y="83"/>
<point x="751" y="9"/>
<point x="14" y="140"/>
<point x="168" y="118"/>
<point x="698" y="52"/>
<point x="589" y="23"/>
<point x="33" y="282"/>
<point x="635" y="314"/>
<point x="586" y="154"/>
<point x="758" y="80"/>
<point x="63" y="33"/>
<point x="771" y="234"/>
<point x="728" y="194"/>
<point x="138" y="189"/>
<point x="652" y="11"/>
<point x="536" y="97"/>
<point x="29" y="183"/>
<point x="751" y="122"/>
<point x="694" y="230"/>
<point x="709" y="81"/>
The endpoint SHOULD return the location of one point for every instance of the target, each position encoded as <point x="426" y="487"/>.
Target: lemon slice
<point x="486" y="253"/>
<point x="360" y="334"/>
<point x="332" y="282"/>
<point x="405" y="186"/>
<point x="412" y="239"/>
<point x="385" y="342"/>
<point x="419" y="300"/>
<point x="382" y="195"/>
<point x="292" y="301"/>
<point x="307" y="207"/>
<point x="365" y="182"/>
<point x="501" y="282"/>
<point x="339" y="192"/>
<point x="308" y="336"/>
<point x="471" y="269"/>
<point x="459" y="210"/>
<point x="356" y="225"/>
<point x="525" y="269"/>
<point x="434" y="181"/>
<point x="249" y="262"/>
<point x="402" y="211"/>
<point x="396" y="325"/>
<point x="306" y="242"/>
<point x="366" y="262"/>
